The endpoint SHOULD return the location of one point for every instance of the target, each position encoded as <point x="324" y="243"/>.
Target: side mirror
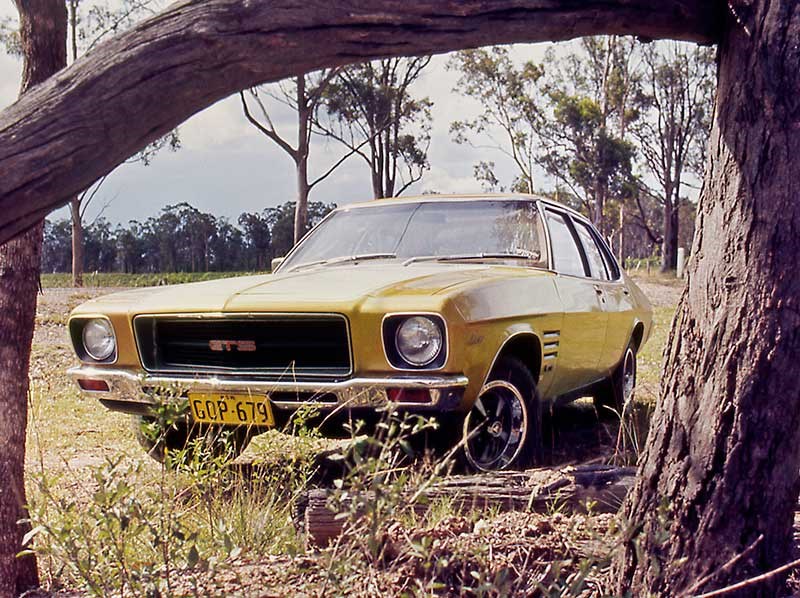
<point x="276" y="262"/>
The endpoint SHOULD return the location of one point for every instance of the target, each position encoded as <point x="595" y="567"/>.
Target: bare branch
<point x="268" y="132"/>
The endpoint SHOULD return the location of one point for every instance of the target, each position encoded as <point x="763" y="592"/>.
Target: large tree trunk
<point x="77" y="242"/>
<point x="43" y="32"/>
<point x="110" y="103"/>
<point x="720" y="471"/>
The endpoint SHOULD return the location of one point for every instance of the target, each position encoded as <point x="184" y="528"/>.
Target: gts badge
<point x="241" y="346"/>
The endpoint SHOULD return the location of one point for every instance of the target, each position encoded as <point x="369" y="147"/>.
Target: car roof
<point x="434" y="197"/>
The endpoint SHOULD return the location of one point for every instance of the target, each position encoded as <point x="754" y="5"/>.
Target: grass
<point x="87" y="475"/>
<point x="118" y="279"/>
<point x="650" y="357"/>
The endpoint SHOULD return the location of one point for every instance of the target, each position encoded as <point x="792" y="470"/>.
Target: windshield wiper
<point x="346" y="258"/>
<point x="519" y="255"/>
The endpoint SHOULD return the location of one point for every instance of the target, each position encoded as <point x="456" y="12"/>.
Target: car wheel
<point x="617" y="393"/>
<point x="217" y="441"/>
<point x="503" y="428"/>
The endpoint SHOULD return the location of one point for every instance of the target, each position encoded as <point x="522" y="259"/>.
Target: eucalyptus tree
<point x="511" y="112"/>
<point x="303" y="95"/>
<point x="372" y="111"/>
<point x="583" y="135"/>
<point x="672" y="133"/>
<point x="89" y="22"/>
<point x="42" y="37"/>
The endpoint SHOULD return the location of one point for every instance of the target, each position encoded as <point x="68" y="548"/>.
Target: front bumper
<point x="132" y="392"/>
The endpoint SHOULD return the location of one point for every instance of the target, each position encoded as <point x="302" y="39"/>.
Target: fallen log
<point x="601" y="488"/>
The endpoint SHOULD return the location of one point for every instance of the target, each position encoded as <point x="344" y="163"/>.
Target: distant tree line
<point x="180" y="239"/>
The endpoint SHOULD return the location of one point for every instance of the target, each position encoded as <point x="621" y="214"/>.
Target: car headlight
<point x="98" y="339"/>
<point x="418" y="340"/>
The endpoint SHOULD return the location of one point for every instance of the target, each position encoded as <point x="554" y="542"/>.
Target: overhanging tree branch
<point x="79" y="125"/>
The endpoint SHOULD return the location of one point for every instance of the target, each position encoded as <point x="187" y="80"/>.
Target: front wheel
<point x="503" y="428"/>
<point x="186" y="440"/>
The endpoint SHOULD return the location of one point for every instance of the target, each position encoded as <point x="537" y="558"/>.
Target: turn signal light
<point x="96" y="385"/>
<point x="409" y="395"/>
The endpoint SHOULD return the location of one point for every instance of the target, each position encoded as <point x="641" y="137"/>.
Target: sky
<point x="225" y="166"/>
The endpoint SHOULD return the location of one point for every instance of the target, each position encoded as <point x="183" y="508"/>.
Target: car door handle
<point x="598" y="289"/>
<point x="626" y="290"/>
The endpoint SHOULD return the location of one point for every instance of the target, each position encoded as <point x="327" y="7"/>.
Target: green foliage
<point x="124" y="539"/>
<point x="583" y="154"/>
<point x="509" y="97"/>
<point x="9" y="36"/>
<point x="166" y="533"/>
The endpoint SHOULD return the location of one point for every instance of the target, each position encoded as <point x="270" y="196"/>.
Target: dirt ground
<point x="70" y="435"/>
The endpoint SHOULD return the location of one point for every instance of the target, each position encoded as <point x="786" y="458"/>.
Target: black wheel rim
<point x="496" y="428"/>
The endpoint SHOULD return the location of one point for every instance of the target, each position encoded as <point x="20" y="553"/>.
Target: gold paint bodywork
<point x="581" y="326"/>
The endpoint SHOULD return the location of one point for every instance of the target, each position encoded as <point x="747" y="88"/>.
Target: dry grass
<point x="70" y="437"/>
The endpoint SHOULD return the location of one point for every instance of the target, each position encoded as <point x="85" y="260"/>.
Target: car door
<point x="583" y="332"/>
<point x="616" y="297"/>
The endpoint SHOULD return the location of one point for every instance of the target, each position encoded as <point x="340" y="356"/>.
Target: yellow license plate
<point x="235" y="409"/>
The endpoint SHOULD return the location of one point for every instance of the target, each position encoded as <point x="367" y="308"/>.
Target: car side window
<point x="611" y="264"/>
<point x="597" y="266"/>
<point x="566" y="255"/>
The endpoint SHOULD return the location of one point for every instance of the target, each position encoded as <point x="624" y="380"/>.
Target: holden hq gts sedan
<point x="479" y="310"/>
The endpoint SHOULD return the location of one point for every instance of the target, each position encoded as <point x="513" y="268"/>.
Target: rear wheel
<point x="188" y="438"/>
<point x="617" y="392"/>
<point x="503" y="429"/>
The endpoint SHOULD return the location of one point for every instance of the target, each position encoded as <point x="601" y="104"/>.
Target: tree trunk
<point x="720" y="471"/>
<point x="301" y="161"/>
<point x="599" y="201"/>
<point x="77" y="242"/>
<point x="301" y="209"/>
<point x="669" y="242"/>
<point x="43" y="33"/>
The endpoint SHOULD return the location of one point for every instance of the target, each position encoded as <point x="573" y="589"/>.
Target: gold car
<point x="481" y="310"/>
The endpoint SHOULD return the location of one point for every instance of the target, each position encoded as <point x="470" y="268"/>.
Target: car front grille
<point x="271" y="346"/>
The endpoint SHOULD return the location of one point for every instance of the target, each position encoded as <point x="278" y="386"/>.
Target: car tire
<point x="503" y="430"/>
<point x="182" y="436"/>
<point x="617" y="393"/>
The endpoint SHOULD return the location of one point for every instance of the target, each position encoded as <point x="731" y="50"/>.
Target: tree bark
<point x="109" y="104"/>
<point x="43" y="33"/>
<point x="77" y="242"/>
<point x="669" y="242"/>
<point x="301" y="161"/>
<point x="719" y="474"/>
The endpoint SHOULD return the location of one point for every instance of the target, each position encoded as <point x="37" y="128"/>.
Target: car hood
<point x="325" y="287"/>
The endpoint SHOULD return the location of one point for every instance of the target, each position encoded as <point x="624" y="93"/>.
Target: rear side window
<point x="566" y="255"/>
<point x="611" y="264"/>
<point x="597" y="266"/>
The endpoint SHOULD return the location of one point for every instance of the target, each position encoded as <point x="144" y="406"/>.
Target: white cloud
<point x="225" y="166"/>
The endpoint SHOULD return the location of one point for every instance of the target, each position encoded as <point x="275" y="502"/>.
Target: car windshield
<point x="433" y="230"/>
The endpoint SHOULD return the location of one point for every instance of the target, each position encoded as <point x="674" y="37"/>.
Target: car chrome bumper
<point x="126" y="387"/>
